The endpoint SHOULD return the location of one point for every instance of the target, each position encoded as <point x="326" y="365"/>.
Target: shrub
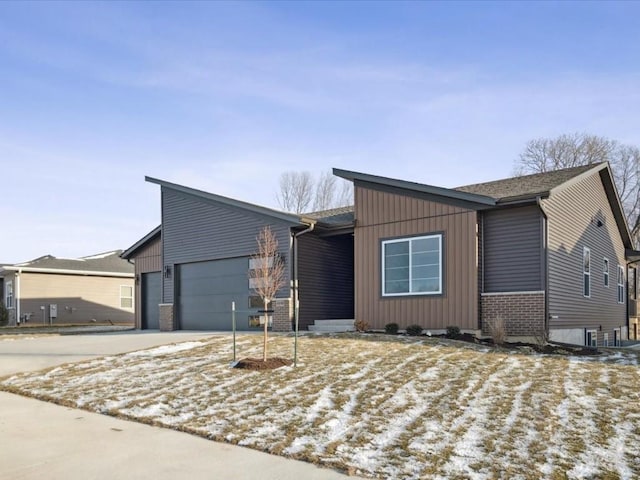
<point x="453" y="331"/>
<point x="4" y="315"/>
<point x="391" y="328"/>
<point x="361" y="325"/>
<point x="414" y="330"/>
<point x="498" y="330"/>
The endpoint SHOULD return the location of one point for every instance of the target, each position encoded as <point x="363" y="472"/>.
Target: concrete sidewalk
<point x="40" y="440"/>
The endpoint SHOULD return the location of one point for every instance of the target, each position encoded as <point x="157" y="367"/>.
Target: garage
<point x="151" y="288"/>
<point x="205" y="291"/>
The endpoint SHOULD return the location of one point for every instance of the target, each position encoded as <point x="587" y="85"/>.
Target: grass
<point x="379" y="406"/>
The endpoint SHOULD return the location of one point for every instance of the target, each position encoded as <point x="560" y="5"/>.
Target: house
<point x="50" y="290"/>
<point x="549" y="252"/>
<point x="543" y="252"/>
<point x="195" y="266"/>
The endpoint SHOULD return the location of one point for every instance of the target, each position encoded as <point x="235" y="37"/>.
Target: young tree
<point x="267" y="274"/>
<point x="572" y="150"/>
<point x="300" y="192"/>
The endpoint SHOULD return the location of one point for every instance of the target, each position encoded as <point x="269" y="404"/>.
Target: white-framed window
<point x="620" y="284"/>
<point x="126" y="296"/>
<point x="586" y="272"/>
<point x="412" y="266"/>
<point x="605" y="340"/>
<point x="605" y="272"/>
<point x="8" y="295"/>
<point x="591" y="339"/>
<point x="631" y="283"/>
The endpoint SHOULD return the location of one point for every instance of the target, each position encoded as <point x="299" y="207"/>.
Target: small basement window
<point x="591" y="338"/>
<point x="620" y="284"/>
<point x="412" y="266"/>
<point x="126" y="296"/>
<point x="586" y="272"/>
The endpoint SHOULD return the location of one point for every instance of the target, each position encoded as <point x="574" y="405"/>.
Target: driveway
<point x="43" y="440"/>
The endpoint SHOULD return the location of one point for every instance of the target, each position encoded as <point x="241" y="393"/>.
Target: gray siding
<point x="196" y="229"/>
<point x="573" y="224"/>
<point x="325" y="277"/>
<point x="147" y="259"/>
<point x="512" y="259"/>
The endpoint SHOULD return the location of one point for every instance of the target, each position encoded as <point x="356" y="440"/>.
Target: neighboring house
<point x="50" y="290"/>
<point x="202" y="251"/>
<point x="548" y="251"/>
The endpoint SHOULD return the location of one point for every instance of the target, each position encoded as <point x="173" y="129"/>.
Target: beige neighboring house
<point x="49" y="290"/>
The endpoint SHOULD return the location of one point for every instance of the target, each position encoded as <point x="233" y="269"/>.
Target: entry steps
<point x="340" y="325"/>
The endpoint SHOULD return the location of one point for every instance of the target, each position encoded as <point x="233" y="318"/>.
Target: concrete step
<point x="331" y="328"/>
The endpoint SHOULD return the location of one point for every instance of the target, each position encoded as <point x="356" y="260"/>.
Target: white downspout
<point x="17" y="296"/>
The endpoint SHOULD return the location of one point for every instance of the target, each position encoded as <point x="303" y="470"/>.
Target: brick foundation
<point x="282" y="315"/>
<point x="167" y="323"/>
<point x="523" y="312"/>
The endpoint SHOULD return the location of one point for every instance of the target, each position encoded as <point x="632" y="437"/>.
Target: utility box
<point x="53" y="311"/>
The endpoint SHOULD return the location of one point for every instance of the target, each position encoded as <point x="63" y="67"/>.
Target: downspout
<point x="17" y="295"/>
<point x="296" y="302"/>
<point x="545" y="262"/>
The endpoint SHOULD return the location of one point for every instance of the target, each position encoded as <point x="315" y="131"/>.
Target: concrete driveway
<point x="42" y="440"/>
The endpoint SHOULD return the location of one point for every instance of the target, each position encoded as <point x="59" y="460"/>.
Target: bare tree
<point x="572" y="150"/>
<point x="296" y="191"/>
<point x="300" y="191"/>
<point x="266" y="274"/>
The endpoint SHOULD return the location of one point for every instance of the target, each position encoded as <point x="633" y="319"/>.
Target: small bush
<point x="453" y="331"/>
<point x="414" y="330"/>
<point x="4" y="315"/>
<point x="391" y="328"/>
<point x="361" y="325"/>
<point x="498" y="330"/>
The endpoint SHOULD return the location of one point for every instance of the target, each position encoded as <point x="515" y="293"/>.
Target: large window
<point x="620" y="284"/>
<point x="8" y="297"/>
<point x="126" y="296"/>
<point x="586" y="272"/>
<point x="412" y="266"/>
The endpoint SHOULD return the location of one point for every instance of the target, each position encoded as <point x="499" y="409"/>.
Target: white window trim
<point x="123" y="297"/>
<point x="410" y="239"/>
<point x="606" y="281"/>
<point x="620" y="286"/>
<point x="586" y="276"/>
<point x="9" y="287"/>
<point x="594" y="335"/>
<point x="605" y="341"/>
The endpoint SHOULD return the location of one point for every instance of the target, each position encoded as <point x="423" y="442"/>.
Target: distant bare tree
<point x="572" y="150"/>
<point x="300" y="192"/>
<point x="266" y="274"/>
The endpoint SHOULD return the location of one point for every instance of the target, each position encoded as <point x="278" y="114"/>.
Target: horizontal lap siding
<point x="512" y="250"/>
<point x="382" y="215"/>
<point x="147" y="259"/>
<point x="573" y="214"/>
<point x="195" y="229"/>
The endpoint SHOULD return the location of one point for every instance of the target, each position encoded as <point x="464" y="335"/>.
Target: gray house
<point x="196" y="264"/>
<point x="546" y="252"/>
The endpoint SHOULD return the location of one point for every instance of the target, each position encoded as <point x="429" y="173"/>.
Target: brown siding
<point x="80" y="298"/>
<point x="573" y="215"/>
<point x="147" y="259"/>
<point x="381" y="215"/>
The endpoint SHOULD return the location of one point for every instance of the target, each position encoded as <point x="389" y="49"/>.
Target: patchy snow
<point x="390" y="408"/>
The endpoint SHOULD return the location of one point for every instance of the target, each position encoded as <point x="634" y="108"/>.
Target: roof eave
<point x="92" y="273"/>
<point x="129" y="252"/>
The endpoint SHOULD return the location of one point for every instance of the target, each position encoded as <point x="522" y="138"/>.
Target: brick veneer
<point x="523" y="312"/>
<point x="166" y="317"/>
<point x="282" y="315"/>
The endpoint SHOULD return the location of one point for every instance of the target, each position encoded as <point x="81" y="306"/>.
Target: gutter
<point x="67" y="271"/>
<point x="545" y="263"/>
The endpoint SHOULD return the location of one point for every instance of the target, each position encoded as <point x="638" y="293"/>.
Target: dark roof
<point x="152" y="235"/>
<point x="525" y="186"/>
<point x="333" y="216"/>
<point x="107" y="262"/>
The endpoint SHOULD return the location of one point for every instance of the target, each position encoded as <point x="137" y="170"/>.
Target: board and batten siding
<point x="512" y="250"/>
<point x="573" y="215"/>
<point x="195" y="229"/>
<point x="383" y="215"/>
<point x="80" y="298"/>
<point x="147" y="260"/>
<point x="325" y="280"/>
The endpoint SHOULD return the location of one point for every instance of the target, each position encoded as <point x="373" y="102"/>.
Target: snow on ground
<point x="379" y="406"/>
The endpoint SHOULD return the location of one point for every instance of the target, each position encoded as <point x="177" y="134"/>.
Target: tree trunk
<point x="266" y="325"/>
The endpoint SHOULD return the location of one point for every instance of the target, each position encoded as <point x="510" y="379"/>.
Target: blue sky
<point x="226" y="96"/>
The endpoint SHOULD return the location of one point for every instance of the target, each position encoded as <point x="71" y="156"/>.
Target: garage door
<point x="151" y="285"/>
<point x="205" y="293"/>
